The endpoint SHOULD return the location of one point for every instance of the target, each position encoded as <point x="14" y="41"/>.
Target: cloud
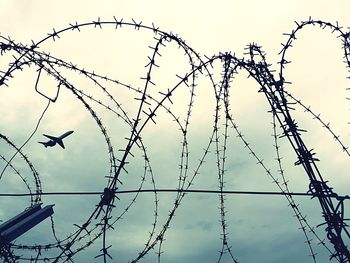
<point x="261" y="228"/>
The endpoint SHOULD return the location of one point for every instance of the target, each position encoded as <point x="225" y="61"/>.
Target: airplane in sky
<point x="53" y="140"/>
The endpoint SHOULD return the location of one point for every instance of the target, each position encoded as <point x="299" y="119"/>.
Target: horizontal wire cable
<point x="204" y="191"/>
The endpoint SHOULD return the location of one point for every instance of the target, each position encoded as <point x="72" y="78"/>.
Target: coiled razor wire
<point x="106" y="214"/>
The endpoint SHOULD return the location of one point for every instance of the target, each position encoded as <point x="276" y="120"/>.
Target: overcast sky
<point x="261" y="228"/>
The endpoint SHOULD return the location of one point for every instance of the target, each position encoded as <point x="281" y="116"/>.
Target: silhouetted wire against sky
<point x="199" y="191"/>
<point x="198" y="136"/>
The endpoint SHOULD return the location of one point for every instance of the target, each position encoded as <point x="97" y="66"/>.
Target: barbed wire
<point x="105" y="215"/>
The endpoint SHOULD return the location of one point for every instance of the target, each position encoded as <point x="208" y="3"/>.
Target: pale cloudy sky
<point x="260" y="228"/>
